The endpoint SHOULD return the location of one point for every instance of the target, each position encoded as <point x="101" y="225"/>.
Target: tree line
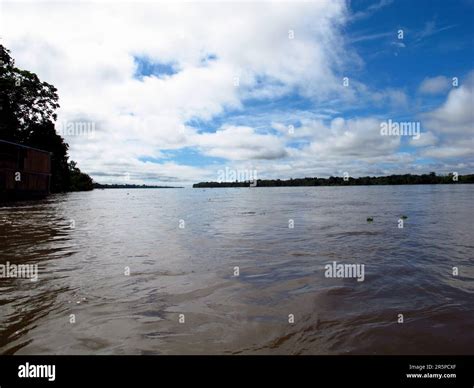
<point x="406" y="179"/>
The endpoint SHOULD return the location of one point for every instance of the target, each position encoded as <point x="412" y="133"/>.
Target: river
<point x="241" y="271"/>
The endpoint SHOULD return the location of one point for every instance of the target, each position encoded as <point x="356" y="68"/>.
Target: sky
<point x="175" y="93"/>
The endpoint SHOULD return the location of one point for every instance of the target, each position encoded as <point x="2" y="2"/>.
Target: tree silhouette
<point x="27" y="116"/>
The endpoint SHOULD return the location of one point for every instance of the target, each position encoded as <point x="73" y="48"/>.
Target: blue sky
<point x="180" y="92"/>
<point x="438" y="39"/>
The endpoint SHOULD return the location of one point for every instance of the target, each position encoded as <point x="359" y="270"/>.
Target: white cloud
<point x="396" y="98"/>
<point x="435" y="85"/>
<point x="425" y="139"/>
<point x="453" y="121"/>
<point x="455" y="115"/>
<point x="357" y="138"/>
<point x="451" y="150"/>
<point x="240" y="143"/>
<point x="371" y="9"/>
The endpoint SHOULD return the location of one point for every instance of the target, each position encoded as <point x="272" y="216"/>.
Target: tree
<point x="78" y="180"/>
<point x="27" y="116"/>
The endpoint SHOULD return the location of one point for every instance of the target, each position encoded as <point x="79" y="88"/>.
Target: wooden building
<point x="25" y="172"/>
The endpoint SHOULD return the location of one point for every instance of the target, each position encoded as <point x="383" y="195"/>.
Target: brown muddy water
<point x="182" y="247"/>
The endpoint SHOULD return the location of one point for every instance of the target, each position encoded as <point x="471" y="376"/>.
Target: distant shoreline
<point x="124" y="186"/>
<point x="391" y="180"/>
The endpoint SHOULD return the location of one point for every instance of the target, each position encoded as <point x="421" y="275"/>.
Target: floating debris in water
<point x="403" y="217"/>
<point x="370" y="219"/>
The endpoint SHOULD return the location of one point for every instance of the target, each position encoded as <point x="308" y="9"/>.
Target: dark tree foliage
<point x="128" y="186"/>
<point x="78" y="180"/>
<point x="44" y="137"/>
<point x="407" y="179"/>
<point x="27" y="116"/>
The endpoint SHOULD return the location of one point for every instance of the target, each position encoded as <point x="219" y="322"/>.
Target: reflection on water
<point x="84" y="243"/>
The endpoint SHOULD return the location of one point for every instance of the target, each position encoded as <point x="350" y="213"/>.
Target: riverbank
<point x="406" y="179"/>
<point x="125" y="186"/>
